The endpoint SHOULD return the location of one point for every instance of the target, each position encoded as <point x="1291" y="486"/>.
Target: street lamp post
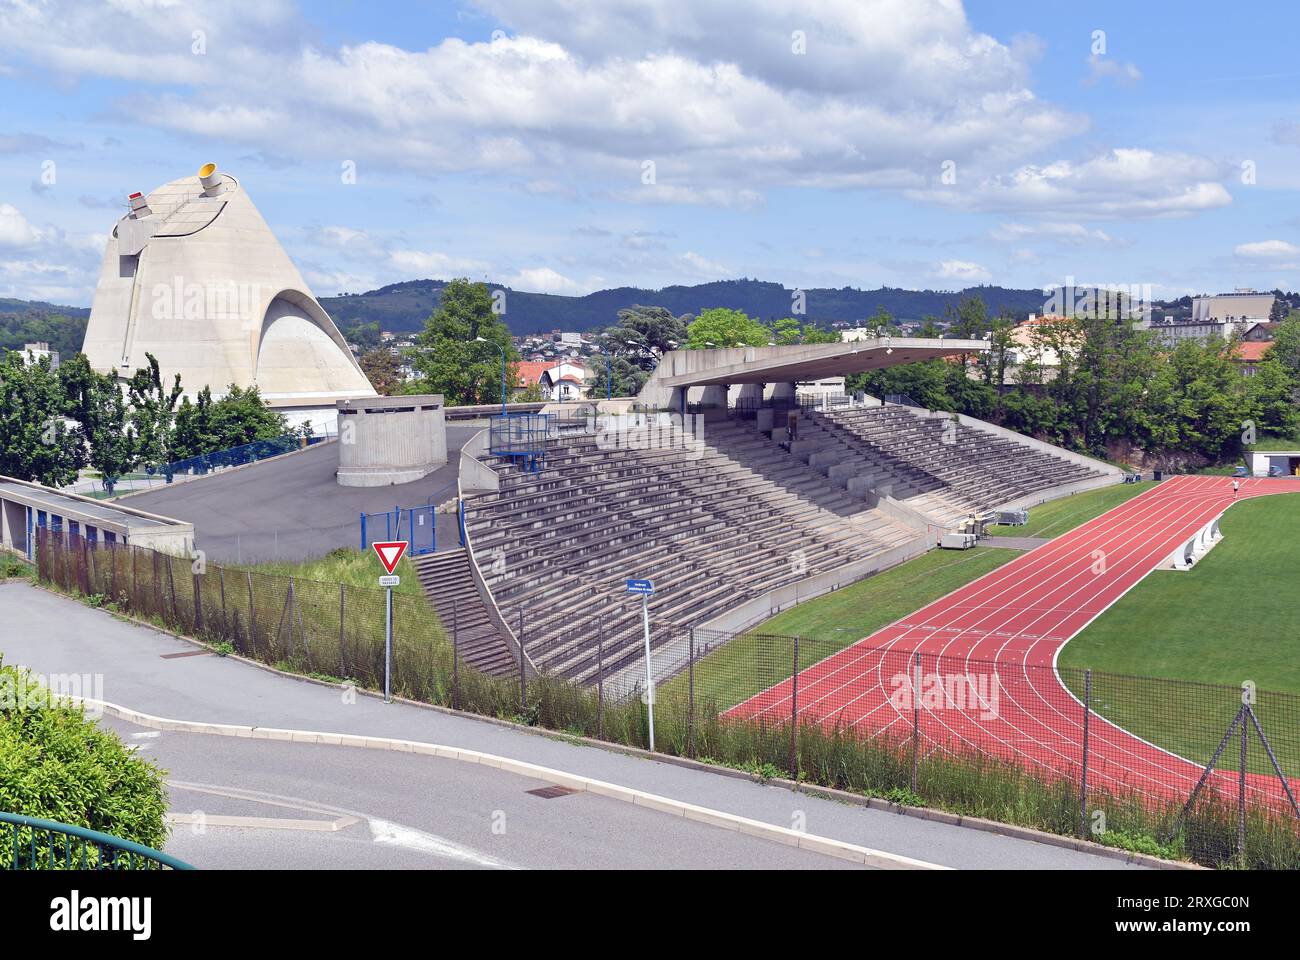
<point x="503" y="370"/>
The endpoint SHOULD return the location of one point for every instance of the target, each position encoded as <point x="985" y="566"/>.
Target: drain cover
<point x="550" y="793"/>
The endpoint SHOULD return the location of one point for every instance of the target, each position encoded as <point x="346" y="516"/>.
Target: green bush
<point x="57" y="764"/>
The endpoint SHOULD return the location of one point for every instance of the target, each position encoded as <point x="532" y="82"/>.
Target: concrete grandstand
<point x="749" y="503"/>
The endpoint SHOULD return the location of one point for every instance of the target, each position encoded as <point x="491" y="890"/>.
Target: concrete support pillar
<point x="714" y="395"/>
<point x="781" y="391"/>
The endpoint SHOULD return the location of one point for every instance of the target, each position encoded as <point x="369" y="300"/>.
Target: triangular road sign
<point x="389" y="553"/>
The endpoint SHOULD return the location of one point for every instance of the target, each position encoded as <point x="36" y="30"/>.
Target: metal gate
<point x="416" y="525"/>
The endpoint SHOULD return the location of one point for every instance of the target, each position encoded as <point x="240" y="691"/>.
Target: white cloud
<point x="1104" y="68"/>
<point x="1071" y="233"/>
<point x="435" y="264"/>
<point x="15" y="230"/>
<point x="543" y="280"/>
<point x="1121" y="183"/>
<point x="964" y="270"/>
<point x="664" y="193"/>
<point x="702" y="266"/>
<point x="1266" y="250"/>
<point x="712" y="92"/>
<point x="353" y="241"/>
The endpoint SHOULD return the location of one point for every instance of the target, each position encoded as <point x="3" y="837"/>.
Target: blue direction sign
<point x="644" y="587"/>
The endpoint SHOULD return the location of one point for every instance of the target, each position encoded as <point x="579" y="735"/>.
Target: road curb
<point x="995" y="827"/>
<point x="718" y="818"/>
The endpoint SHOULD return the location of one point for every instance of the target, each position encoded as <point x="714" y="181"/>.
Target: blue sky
<point x="912" y="143"/>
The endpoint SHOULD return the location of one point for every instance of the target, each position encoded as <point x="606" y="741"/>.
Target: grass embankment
<point x="1056" y="517"/>
<point x="343" y="565"/>
<point x="1234" y="617"/>
<point x="1264" y="444"/>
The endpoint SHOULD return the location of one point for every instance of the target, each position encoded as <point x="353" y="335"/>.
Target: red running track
<point x="1014" y="621"/>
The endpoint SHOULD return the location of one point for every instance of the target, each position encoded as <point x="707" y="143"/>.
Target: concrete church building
<point x="194" y="276"/>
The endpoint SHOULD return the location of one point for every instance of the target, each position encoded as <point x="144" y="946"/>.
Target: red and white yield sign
<point x="390" y="553"/>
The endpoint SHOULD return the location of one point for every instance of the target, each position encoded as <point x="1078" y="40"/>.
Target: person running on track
<point x="1236" y="484"/>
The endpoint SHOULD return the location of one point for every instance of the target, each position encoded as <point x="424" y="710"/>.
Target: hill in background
<point x="33" y="321"/>
<point x="402" y="307"/>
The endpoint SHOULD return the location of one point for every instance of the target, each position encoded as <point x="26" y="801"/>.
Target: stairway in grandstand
<point x="939" y="466"/>
<point x="711" y="528"/>
<point x="449" y="585"/>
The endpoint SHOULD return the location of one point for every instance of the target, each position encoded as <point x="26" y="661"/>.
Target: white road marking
<point x="383" y="831"/>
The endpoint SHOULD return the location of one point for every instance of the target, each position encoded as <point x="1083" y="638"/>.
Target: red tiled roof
<point x="531" y="372"/>
<point x="1252" y="351"/>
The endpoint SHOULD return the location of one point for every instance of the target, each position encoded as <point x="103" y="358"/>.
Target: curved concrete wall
<point x="191" y="279"/>
<point x="390" y="440"/>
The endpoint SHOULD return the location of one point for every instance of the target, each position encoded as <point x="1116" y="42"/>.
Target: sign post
<point x="389" y="554"/>
<point x="646" y="589"/>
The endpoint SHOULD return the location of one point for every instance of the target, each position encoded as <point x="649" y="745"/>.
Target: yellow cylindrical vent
<point x="210" y="180"/>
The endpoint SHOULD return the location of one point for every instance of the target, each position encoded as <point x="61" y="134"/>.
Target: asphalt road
<point x="255" y="804"/>
<point x="291" y="508"/>
<point x="130" y="666"/>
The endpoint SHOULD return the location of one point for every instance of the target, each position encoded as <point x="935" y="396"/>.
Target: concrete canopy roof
<point x="696" y="368"/>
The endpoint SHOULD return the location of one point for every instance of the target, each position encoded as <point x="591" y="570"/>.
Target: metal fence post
<point x="690" y="701"/>
<point x="1241" y="794"/>
<point x="1083" y="772"/>
<point x="252" y="615"/>
<point x="225" y="621"/>
<point x="455" y="657"/>
<point x="171" y="589"/>
<point x="198" y="601"/>
<point x="600" y="679"/>
<point x="916" y="715"/>
<point x="523" y="680"/>
<point x="343" y="607"/>
<point x="794" y="714"/>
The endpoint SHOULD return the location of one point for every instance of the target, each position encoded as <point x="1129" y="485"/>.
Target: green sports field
<point x="1056" y="517"/>
<point x="1234" y="616"/>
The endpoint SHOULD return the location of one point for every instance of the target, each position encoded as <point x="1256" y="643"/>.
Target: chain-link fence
<point x="1171" y="767"/>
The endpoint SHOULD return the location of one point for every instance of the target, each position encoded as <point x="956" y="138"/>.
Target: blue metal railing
<point x="417" y="525"/>
<point x="237" y="456"/>
<point x="36" y="844"/>
<point x="520" y="436"/>
<point x="460" y="508"/>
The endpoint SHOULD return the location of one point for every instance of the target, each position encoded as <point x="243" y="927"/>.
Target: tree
<point x="993" y="364"/>
<point x="35" y="442"/>
<point x="789" y="331"/>
<point x="242" y="416"/>
<point x="153" y="410"/>
<point x="382" y="370"/>
<point x="208" y="426"/>
<point x="634" y="346"/>
<point x="1286" y="345"/>
<point x="192" y="433"/>
<point x="724" y="327"/>
<point x="96" y="402"/>
<point x="1270" y="397"/>
<point x="448" y="360"/>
